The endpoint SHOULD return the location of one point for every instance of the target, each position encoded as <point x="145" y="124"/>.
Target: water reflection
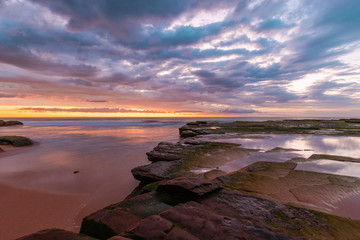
<point x="309" y="144"/>
<point x="329" y="166"/>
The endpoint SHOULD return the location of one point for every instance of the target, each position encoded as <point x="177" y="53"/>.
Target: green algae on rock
<point x="281" y="182"/>
<point x="306" y="126"/>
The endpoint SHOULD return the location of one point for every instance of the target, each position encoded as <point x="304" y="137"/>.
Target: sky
<point x="173" y="58"/>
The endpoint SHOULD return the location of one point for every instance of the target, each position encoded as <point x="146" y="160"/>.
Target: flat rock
<point x="180" y="234"/>
<point x="143" y="205"/>
<point x="153" y="227"/>
<point x="106" y="223"/>
<point x="188" y="188"/>
<point x="55" y="234"/>
<point x="9" y="123"/>
<point x="281" y="182"/>
<point x="156" y="171"/>
<point x="210" y="223"/>
<point x="16" y="141"/>
<point x="165" y="151"/>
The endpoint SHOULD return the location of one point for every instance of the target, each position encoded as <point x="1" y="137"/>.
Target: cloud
<point x="274" y="24"/>
<point x="97" y="101"/>
<point x="188" y="111"/>
<point x="238" y="110"/>
<point x="180" y="54"/>
<point x="7" y="95"/>
<point x="30" y="62"/>
<point x="87" y="110"/>
<point x="77" y="81"/>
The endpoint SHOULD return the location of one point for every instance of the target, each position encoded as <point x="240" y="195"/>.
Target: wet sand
<point x="25" y="211"/>
<point x="38" y="187"/>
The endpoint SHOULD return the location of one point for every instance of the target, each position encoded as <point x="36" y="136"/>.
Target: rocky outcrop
<point x="333" y="157"/>
<point x="9" y="123"/>
<point x="106" y="223"/>
<point x="55" y="234"/>
<point x="16" y="141"/>
<point x="251" y="203"/>
<point x="156" y="171"/>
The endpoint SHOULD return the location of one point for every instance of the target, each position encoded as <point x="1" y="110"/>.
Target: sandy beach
<point x="19" y="207"/>
<point x="38" y="187"/>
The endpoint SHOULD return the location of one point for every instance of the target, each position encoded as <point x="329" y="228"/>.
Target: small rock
<point x="155" y="171"/>
<point x="188" y="133"/>
<point x="9" y="123"/>
<point x="55" y="234"/>
<point x="75" y="172"/>
<point x="165" y="151"/>
<point x="2" y="150"/>
<point x="16" y="141"/>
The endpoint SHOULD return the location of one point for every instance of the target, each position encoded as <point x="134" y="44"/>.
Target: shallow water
<point x="305" y="146"/>
<point x="329" y="166"/>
